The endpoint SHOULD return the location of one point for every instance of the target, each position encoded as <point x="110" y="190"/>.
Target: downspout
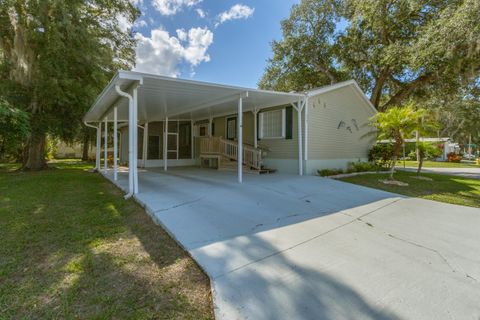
<point x="305" y="136"/>
<point x="90" y="125"/>
<point x="131" y="163"/>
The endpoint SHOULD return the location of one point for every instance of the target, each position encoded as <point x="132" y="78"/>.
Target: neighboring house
<point x="444" y="143"/>
<point x="192" y="123"/>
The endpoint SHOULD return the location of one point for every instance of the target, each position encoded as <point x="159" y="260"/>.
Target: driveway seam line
<point x="308" y="240"/>
<point x="178" y="205"/>
<point x="413" y="243"/>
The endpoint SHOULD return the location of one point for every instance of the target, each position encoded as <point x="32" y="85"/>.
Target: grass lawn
<point x="72" y="248"/>
<point x="437" y="164"/>
<point x="443" y="188"/>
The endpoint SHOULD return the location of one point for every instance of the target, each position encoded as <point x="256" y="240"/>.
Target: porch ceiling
<point x="160" y="97"/>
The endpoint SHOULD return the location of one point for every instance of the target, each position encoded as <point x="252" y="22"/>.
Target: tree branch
<point x="408" y="88"/>
<point x="377" y="89"/>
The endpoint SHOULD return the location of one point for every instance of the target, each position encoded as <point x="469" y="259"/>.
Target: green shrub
<point x="360" y="166"/>
<point x="381" y="155"/>
<point x="412" y="156"/>
<point x="329" y="172"/>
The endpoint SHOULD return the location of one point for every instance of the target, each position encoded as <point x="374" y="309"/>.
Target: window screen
<point x="153" y="147"/>
<point x="272" y="124"/>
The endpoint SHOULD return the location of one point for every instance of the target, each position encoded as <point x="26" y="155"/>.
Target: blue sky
<point x="210" y="40"/>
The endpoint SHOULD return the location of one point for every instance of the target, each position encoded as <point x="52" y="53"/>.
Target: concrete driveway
<point x="472" y="173"/>
<point x="290" y="247"/>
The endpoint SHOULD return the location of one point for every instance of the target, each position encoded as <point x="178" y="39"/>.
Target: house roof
<point x="160" y="97"/>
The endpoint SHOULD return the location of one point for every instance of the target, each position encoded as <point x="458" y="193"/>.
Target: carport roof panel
<point x="160" y="97"/>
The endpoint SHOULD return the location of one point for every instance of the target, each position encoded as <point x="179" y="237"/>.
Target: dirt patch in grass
<point x="73" y="248"/>
<point x="394" y="182"/>
<point x="422" y="178"/>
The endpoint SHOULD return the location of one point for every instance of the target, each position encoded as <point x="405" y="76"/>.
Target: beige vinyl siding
<point x="276" y="148"/>
<point x="326" y="112"/>
<point x="248" y="134"/>
<point x="282" y="148"/>
<point x="219" y="124"/>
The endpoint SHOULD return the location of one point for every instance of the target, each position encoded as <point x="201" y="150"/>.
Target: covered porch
<point x="162" y="122"/>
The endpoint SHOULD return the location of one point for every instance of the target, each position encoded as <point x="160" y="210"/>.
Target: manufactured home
<point x="158" y="121"/>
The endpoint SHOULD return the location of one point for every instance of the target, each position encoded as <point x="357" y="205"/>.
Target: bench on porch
<point x="209" y="157"/>
<point x="225" y="152"/>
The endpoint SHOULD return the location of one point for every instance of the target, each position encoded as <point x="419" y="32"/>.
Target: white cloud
<point x="123" y="23"/>
<point x="161" y="53"/>
<point x="182" y="34"/>
<point x="201" y="13"/>
<point x="199" y="40"/>
<point x="170" y="7"/>
<point x="238" y="11"/>
<point x="140" y="23"/>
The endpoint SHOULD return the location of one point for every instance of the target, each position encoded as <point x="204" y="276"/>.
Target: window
<point x="231" y="128"/>
<point x="202" y="130"/>
<point x="272" y="124"/>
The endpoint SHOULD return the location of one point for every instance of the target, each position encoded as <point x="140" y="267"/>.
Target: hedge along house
<point x="160" y="121"/>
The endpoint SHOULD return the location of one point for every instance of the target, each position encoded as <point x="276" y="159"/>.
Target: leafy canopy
<point x="458" y="114"/>
<point x="397" y="123"/>
<point x="55" y="56"/>
<point x="14" y="128"/>
<point x="394" y="49"/>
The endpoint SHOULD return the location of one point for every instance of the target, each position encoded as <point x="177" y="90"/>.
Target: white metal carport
<point x="135" y="98"/>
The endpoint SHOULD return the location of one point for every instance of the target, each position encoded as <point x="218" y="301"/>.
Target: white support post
<point x="165" y="142"/>
<point x="255" y="130"/>
<point x="305" y="148"/>
<point x="115" y="142"/>
<point x="300" y="138"/>
<point x="240" y="140"/>
<point x="145" y="144"/>
<point x="99" y="146"/>
<point x="131" y="127"/>
<point x="135" y="140"/>
<point x="105" y="154"/>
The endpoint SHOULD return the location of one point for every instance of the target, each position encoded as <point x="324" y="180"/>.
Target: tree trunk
<point x="417" y="141"/>
<point x="392" y="169"/>
<point x="420" y="164"/>
<point x="396" y="151"/>
<point x="86" y="146"/>
<point x="36" y="152"/>
<point x="377" y="89"/>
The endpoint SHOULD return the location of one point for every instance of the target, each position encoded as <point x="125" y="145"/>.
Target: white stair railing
<point x="217" y="145"/>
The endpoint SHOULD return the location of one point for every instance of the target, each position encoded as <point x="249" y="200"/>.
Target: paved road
<point x="473" y="173"/>
<point x="289" y="247"/>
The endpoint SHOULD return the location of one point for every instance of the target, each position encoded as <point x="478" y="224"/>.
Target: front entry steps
<point x="223" y="163"/>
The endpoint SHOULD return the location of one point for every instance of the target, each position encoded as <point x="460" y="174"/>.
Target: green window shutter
<point x="213" y="128"/>
<point x="288" y="122"/>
